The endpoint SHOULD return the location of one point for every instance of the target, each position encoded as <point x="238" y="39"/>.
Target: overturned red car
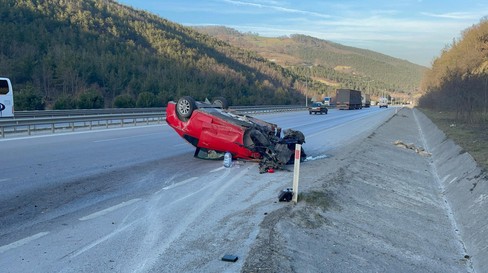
<point x="213" y="129"/>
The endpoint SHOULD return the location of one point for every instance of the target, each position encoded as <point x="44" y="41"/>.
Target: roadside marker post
<point x="296" y="172"/>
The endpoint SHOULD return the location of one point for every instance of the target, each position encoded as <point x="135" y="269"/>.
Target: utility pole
<point x="306" y="93"/>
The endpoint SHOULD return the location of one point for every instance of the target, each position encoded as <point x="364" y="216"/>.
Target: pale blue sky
<point x="414" y="30"/>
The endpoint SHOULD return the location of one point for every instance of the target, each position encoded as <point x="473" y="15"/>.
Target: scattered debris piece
<point x="230" y="258"/>
<point x="286" y="195"/>
<point x="419" y="150"/>
<point x="312" y="158"/>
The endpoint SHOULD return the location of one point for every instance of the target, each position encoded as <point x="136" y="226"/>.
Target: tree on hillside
<point x="63" y="48"/>
<point x="90" y="99"/>
<point x="458" y="80"/>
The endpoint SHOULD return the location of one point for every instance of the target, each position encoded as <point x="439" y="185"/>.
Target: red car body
<point x="214" y="129"/>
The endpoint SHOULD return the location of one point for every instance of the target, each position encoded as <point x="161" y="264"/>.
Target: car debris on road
<point x="419" y="150"/>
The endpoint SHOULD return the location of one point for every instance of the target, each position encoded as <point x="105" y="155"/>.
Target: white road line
<point x="119" y="138"/>
<point x="105" y="211"/>
<point x="218" y="169"/>
<point x="101" y="240"/>
<point x="179" y="184"/>
<point x="22" y="242"/>
<point x="454" y="179"/>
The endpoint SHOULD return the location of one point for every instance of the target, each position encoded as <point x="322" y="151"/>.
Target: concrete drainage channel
<point x="382" y="204"/>
<point x="465" y="189"/>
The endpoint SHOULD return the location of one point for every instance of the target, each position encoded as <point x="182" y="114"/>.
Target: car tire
<point x="185" y="107"/>
<point x="221" y="102"/>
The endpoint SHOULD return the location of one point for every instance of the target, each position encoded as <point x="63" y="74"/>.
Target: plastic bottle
<point x="227" y="160"/>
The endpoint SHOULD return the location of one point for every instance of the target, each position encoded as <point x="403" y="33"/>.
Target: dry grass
<point x="320" y="199"/>
<point x="473" y="138"/>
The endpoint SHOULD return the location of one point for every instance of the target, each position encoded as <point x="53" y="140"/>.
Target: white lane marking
<point x="4" y="179"/>
<point x="119" y="138"/>
<point x="445" y="178"/>
<point x="22" y="242"/>
<point x="107" y="210"/>
<point x="218" y="169"/>
<point x="101" y="240"/>
<point x="178" y="184"/>
<point x="162" y="244"/>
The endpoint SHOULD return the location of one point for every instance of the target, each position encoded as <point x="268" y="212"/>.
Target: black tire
<point x="185" y="107"/>
<point x="309" y="113"/>
<point x="221" y="102"/>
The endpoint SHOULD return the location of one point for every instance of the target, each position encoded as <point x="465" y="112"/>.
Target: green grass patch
<point x="473" y="137"/>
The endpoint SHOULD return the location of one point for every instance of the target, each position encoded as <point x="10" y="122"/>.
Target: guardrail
<point x="29" y="122"/>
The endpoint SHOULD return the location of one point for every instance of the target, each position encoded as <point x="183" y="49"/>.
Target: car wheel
<point x="185" y="107"/>
<point x="309" y="113"/>
<point x="221" y="102"/>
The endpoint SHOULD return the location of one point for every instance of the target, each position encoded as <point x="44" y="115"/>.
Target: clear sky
<point x="414" y="30"/>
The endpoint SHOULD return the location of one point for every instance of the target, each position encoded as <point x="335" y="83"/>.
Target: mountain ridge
<point x="99" y="53"/>
<point x="380" y="71"/>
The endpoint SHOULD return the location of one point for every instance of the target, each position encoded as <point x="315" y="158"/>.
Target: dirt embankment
<point x="376" y="206"/>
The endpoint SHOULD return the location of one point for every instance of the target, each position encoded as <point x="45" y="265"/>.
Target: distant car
<point x="318" y="107"/>
<point x="214" y="130"/>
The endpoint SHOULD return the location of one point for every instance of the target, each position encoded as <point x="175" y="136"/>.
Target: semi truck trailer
<point x="348" y="99"/>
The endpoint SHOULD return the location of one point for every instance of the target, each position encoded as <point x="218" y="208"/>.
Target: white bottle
<point x="227" y="160"/>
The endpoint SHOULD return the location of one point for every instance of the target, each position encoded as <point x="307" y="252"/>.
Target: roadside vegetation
<point x="101" y="54"/>
<point x="472" y="137"/>
<point x="56" y="51"/>
<point x="456" y="91"/>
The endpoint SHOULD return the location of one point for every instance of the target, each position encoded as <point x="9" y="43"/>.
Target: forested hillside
<point x="458" y="80"/>
<point x="98" y="53"/>
<point x="336" y="65"/>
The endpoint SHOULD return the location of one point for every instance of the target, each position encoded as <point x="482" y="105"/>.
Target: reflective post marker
<point x="296" y="172"/>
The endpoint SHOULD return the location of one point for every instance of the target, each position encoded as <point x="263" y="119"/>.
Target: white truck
<point x="383" y="102"/>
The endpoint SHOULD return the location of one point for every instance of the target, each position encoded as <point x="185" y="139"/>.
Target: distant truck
<point x="348" y="99"/>
<point x="366" y="100"/>
<point x="327" y="101"/>
<point x="383" y="102"/>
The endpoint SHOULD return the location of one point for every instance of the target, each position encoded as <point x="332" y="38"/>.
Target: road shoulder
<point x="372" y="207"/>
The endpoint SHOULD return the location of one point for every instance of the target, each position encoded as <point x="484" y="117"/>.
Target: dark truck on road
<point x="348" y="99"/>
